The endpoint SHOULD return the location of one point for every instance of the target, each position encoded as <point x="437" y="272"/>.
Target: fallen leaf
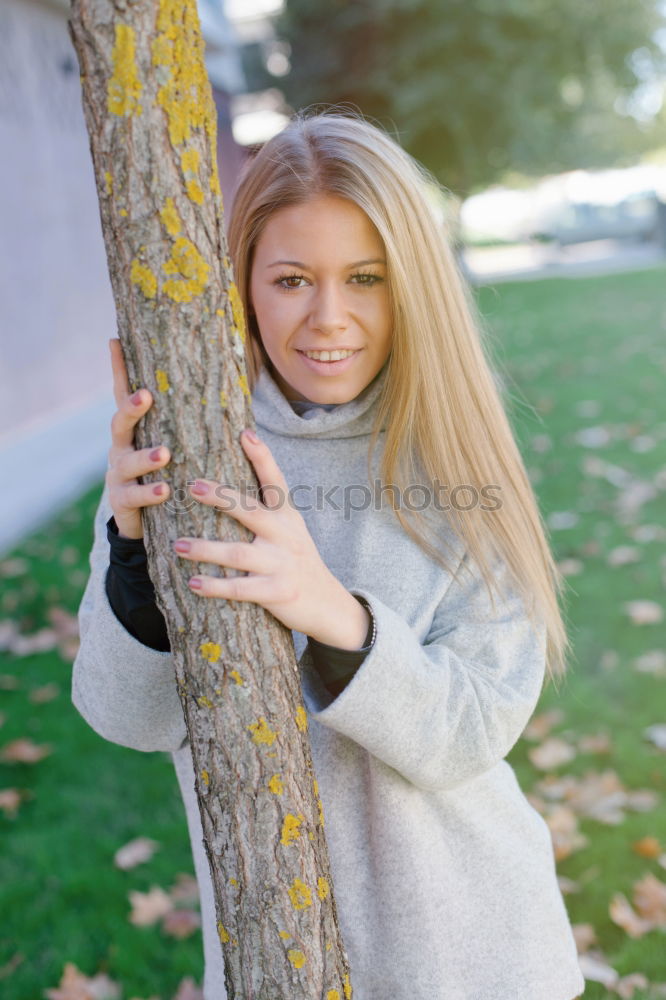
<point x="560" y="520"/>
<point x="181" y="923"/>
<point x="627" y="986"/>
<point x="540" y="725"/>
<point x="652" y="662"/>
<point x="643" y="612"/>
<point x="593" y="437"/>
<point x="647" y="847"/>
<point x="185" y="889"/>
<point x="594" y="743"/>
<point x="135" y="852"/>
<point x="40" y="695"/>
<point x="584" y="936"/>
<point x="10" y="800"/>
<point x="563" y="825"/>
<point x="570" y="567"/>
<point x="656" y="734"/>
<point x="623" y="555"/>
<point x="188" y="990"/>
<point x="567" y="885"/>
<point x="596" y="969"/>
<point x="623" y="914"/>
<point x="149" y="907"/>
<point x="74" y="985"/>
<point x="24" y="751"/>
<point x="650" y="899"/>
<point x="552" y="753"/>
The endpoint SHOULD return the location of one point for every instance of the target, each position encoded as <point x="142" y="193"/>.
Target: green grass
<point x="557" y="342"/>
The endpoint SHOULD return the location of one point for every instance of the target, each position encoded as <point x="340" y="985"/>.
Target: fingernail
<point x="194" y="583"/>
<point x="199" y="488"/>
<point x="136" y="398"/>
<point x="182" y="546"/>
<point x="155" y="455"/>
<point x="251" y="436"/>
<point x="158" y="490"/>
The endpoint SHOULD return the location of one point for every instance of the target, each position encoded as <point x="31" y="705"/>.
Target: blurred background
<point x="545" y="123"/>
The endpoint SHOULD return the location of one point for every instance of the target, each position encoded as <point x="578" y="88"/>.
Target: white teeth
<point x="328" y="355"/>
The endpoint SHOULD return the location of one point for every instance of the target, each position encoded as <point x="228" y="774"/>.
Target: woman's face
<point x="319" y="283"/>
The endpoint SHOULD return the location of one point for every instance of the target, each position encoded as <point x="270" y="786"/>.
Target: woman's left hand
<point x="287" y="575"/>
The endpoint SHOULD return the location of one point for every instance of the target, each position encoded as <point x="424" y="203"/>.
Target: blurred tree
<point x="475" y="87"/>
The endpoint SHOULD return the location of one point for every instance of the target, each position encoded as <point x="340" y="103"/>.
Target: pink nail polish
<point x="199" y="488"/>
<point x="251" y="436"/>
<point x="195" y="584"/>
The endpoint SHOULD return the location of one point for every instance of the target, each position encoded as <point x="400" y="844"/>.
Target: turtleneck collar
<point x="274" y="412"/>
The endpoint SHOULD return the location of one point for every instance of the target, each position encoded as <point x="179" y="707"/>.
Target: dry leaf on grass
<point x="623" y="914"/>
<point x="622" y="555"/>
<point x="656" y="734"/>
<point x="563" y="825"/>
<point x="570" y="567"/>
<point x="584" y="936"/>
<point x="595" y="743"/>
<point x="181" y="923"/>
<point x="652" y="662"/>
<point x="185" y="889"/>
<point x="149" y="907"/>
<point x="23" y="751"/>
<point x="135" y="852"/>
<point x="188" y="990"/>
<point x="643" y="612"/>
<point x="627" y="986"/>
<point x="10" y="800"/>
<point x="647" y="847"/>
<point x="598" y="795"/>
<point x="552" y="753"/>
<point x="540" y="725"/>
<point x="650" y="899"/>
<point x="596" y="969"/>
<point x="74" y="985"/>
<point x="40" y="695"/>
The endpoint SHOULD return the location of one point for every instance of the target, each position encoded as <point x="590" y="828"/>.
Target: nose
<point x="329" y="310"/>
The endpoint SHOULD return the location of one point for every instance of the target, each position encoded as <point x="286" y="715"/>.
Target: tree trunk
<point x="152" y="128"/>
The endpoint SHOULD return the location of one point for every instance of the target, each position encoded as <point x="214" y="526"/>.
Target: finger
<point x="258" y="589"/>
<point x="242" y="556"/>
<point x="135" y="495"/>
<point x="129" y="464"/>
<point x="242" y="506"/>
<point x="121" y="389"/>
<point x="275" y="489"/>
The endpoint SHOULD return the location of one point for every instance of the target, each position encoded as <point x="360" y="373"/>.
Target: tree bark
<point x="152" y="128"/>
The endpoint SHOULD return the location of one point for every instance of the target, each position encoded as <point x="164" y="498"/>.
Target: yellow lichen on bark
<point x="284" y="935"/>
<point x="211" y="651"/>
<point x="205" y="777"/>
<point x="237" y="677"/>
<point x="170" y="217"/>
<point x="186" y="95"/>
<point x="323" y="888"/>
<point x="346" y="988"/>
<point x="262" y="733"/>
<point x="297" y="958"/>
<point x="242" y="383"/>
<point x="186" y="261"/>
<point x="194" y="192"/>
<point x="124" y="86"/>
<point x="301" y="718"/>
<point x="291" y="829"/>
<point x="223" y="933"/>
<point x="275" y="785"/>
<point x="162" y="380"/>
<point x="144" y="278"/>
<point x="332" y="995"/>
<point x="108" y="180"/>
<point x="300" y="895"/>
<point x="237" y="310"/>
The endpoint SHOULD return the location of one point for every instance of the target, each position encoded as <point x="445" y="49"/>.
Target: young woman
<point x="412" y="568"/>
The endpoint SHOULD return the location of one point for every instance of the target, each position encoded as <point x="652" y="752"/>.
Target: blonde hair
<point x="440" y="405"/>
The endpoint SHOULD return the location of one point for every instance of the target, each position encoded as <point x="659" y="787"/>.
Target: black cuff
<point x="131" y="592"/>
<point x="336" y="666"/>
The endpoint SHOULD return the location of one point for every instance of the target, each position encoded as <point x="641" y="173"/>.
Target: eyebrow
<point x="298" y="263"/>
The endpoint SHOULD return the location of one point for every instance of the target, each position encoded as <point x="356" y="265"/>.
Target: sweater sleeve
<point x="442" y="711"/>
<point x="123" y="689"/>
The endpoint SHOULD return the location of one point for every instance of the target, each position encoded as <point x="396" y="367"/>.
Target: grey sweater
<point x="444" y="874"/>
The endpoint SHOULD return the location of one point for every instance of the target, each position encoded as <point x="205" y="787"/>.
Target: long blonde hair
<point x="440" y="406"/>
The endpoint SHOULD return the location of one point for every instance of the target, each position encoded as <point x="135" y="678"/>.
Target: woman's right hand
<point x="126" y="495"/>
